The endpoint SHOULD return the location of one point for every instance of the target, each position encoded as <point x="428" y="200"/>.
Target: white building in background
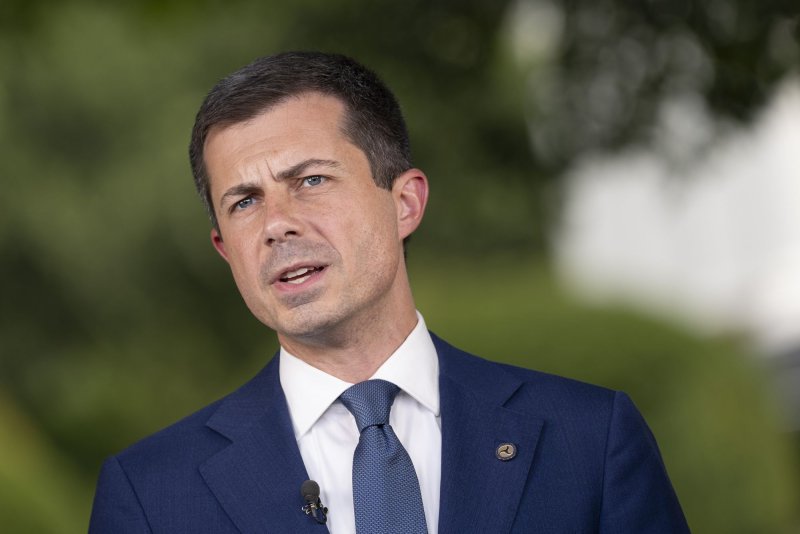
<point x="703" y="224"/>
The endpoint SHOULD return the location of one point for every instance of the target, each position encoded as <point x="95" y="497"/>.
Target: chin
<point x="306" y="323"/>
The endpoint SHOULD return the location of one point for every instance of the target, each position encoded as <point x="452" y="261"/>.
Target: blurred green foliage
<point x="117" y="318"/>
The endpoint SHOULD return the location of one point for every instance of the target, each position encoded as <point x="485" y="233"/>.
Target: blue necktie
<point x="386" y="492"/>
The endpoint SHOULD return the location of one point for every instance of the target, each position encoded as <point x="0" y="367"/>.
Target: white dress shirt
<point x="327" y="434"/>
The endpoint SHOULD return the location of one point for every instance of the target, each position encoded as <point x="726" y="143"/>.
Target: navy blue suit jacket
<point x="586" y="462"/>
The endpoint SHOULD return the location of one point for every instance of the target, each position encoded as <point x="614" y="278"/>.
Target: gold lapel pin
<point x="506" y="451"/>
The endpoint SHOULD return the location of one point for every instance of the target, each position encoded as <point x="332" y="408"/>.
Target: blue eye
<point x="240" y="205"/>
<point x="313" y="180"/>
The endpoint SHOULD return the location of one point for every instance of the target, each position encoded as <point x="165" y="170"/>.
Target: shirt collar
<point x="413" y="367"/>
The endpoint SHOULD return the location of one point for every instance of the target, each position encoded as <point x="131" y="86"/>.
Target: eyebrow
<point x="245" y="189"/>
<point x="300" y="168"/>
<point x="248" y="188"/>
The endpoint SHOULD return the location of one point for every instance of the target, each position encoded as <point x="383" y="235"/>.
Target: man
<point x="303" y="162"/>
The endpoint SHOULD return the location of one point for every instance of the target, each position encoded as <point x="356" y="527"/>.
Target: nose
<point x="281" y="221"/>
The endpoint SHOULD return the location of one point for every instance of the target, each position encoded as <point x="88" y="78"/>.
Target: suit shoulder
<point x="196" y="436"/>
<point x="530" y="387"/>
<point x="178" y="443"/>
<point x="556" y="383"/>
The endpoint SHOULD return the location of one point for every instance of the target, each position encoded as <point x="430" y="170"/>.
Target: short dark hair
<point x="373" y="121"/>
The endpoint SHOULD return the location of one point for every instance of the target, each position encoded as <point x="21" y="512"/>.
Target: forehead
<point x="304" y="112"/>
<point x="307" y="122"/>
<point x="301" y="127"/>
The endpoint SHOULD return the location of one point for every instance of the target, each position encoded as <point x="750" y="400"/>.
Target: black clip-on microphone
<point x="313" y="507"/>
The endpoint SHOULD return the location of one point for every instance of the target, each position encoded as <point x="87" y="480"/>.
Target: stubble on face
<point x="296" y="252"/>
<point x="350" y="228"/>
<point x="311" y="318"/>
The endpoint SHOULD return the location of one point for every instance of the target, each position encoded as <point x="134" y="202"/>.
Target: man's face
<point x="315" y="246"/>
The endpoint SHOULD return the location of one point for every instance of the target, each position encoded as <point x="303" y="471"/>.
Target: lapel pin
<point x="506" y="451"/>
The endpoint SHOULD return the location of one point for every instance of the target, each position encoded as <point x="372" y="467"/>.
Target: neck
<point x="356" y="355"/>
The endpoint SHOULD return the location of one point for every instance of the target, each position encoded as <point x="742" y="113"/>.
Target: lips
<point x="300" y="274"/>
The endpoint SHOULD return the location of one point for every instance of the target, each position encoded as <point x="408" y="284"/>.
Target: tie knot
<point x="370" y="402"/>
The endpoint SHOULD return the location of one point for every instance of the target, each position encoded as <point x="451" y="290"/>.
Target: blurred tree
<point x="610" y="65"/>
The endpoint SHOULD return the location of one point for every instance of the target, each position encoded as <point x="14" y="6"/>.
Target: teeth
<point x="298" y="272"/>
<point x="299" y="276"/>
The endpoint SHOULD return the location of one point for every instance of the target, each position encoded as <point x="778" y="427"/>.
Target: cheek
<point x="244" y="261"/>
<point x="375" y="240"/>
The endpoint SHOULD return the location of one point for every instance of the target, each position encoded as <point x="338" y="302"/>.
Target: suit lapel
<point x="257" y="477"/>
<point x="479" y="492"/>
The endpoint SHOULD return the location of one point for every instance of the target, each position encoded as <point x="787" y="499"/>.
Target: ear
<point x="410" y="193"/>
<point x="219" y="244"/>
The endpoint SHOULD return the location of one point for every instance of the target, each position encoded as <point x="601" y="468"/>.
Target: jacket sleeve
<point x="116" y="508"/>
<point x="637" y="494"/>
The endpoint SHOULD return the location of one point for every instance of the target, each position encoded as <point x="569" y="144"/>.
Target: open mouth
<point x="298" y="276"/>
